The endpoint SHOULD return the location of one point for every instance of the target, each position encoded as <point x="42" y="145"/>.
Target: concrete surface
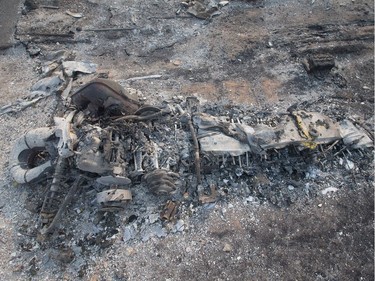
<point x="8" y="20"/>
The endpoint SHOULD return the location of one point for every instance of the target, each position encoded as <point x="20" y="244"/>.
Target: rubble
<point x="109" y="136"/>
<point x="226" y="62"/>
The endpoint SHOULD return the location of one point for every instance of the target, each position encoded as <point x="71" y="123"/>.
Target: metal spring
<point x="54" y="196"/>
<point x="161" y="181"/>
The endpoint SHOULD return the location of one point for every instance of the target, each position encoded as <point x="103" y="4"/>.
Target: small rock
<point x="130" y="251"/>
<point x="129" y="233"/>
<point x="155" y="230"/>
<point x="153" y="218"/>
<point x="341" y="161"/>
<point x="223" y="3"/>
<point x="176" y="62"/>
<point x="250" y="199"/>
<point x="48" y="68"/>
<point x="159" y="231"/>
<point x="227" y="248"/>
<point x="30" y="5"/>
<point x="239" y="172"/>
<point x="179" y="226"/>
<point x="349" y="165"/>
<point x="329" y="189"/>
<point x="74" y="15"/>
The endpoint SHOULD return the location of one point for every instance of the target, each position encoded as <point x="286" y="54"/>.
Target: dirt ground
<point x="247" y="58"/>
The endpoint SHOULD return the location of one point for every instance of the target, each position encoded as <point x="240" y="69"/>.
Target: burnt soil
<point x="275" y="222"/>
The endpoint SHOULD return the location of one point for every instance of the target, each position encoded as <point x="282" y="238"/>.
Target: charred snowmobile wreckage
<point x="108" y="139"/>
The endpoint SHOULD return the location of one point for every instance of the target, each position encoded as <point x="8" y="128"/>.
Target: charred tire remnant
<point x="23" y="166"/>
<point x="161" y="181"/>
<point x="102" y="94"/>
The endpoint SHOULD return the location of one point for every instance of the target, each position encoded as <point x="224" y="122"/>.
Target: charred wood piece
<point x="321" y="62"/>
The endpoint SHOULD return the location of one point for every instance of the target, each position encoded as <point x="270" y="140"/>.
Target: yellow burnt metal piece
<point x="304" y="132"/>
<point x="310" y="144"/>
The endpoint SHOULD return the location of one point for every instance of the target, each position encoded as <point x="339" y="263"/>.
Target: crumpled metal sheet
<point x="220" y="144"/>
<point x="104" y="93"/>
<point x="301" y="128"/>
<point x="72" y="67"/>
<point x="353" y="136"/>
<point x="114" y="195"/>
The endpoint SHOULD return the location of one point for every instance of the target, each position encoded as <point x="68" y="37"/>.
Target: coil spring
<point x="55" y="195"/>
<point x="162" y="181"/>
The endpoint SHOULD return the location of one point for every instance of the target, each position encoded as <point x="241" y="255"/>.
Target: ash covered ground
<point x="291" y="216"/>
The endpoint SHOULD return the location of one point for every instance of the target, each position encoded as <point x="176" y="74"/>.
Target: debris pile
<point x="57" y="74"/>
<point x="117" y="145"/>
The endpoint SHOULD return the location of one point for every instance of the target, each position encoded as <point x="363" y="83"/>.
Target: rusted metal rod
<point x="196" y="152"/>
